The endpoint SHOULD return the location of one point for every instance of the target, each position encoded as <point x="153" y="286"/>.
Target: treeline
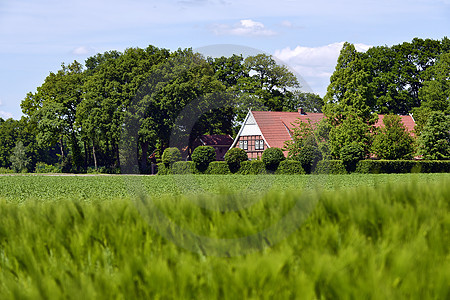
<point x="89" y="116"/>
<point x="81" y="115"/>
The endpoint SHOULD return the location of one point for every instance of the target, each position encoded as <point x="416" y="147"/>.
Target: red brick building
<point x="265" y="129"/>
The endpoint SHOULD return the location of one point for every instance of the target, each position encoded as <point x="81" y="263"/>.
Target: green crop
<point x="102" y="237"/>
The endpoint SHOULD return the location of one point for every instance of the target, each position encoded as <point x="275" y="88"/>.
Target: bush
<point x="183" y="167"/>
<point x="272" y="157"/>
<point x="163" y="170"/>
<point x="252" y="167"/>
<point x="290" y="167"/>
<point x="202" y="156"/>
<point x="234" y="157"/>
<point x="218" y="168"/>
<point x="308" y="156"/>
<point x="330" y="167"/>
<point x="45" y="168"/>
<point x="6" y="171"/>
<point x="402" y="166"/>
<point x="350" y="155"/>
<point x="170" y="156"/>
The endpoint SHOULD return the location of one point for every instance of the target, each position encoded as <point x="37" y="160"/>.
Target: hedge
<point x="252" y="167"/>
<point x="290" y="167"/>
<point x="330" y="167"/>
<point x="403" y="166"/>
<point x="218" y="168"/>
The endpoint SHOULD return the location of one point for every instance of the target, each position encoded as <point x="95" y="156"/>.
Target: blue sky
<point x="37" y="36"/>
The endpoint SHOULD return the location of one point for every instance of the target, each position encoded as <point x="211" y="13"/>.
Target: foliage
<point x="163" y="169"/>
<point x="4" y="170"/>
<point x="389" y="242"/>
<point x="330" y="167"/>
<point x="351" y="154"/>
<point x="19" y="158"/>
<point x="290" y="167"/>
<point x="272" y="157"/>
<point x="402" y="166"/>
<point x="393" y="141"/>
<point x="434" y="141"/>
<point x="435" y="92"/>
<point x="308" y="157"/>
<point x="171" y="155"/>
<point x="202" y="156"/>
<point x="218" y="168"/>
<point x="183" y="167"/>
<point x="348" y="91"/>
<point x="42" y="167"/>
<point x="234" y="157"/>
<point x="352" y="130"/>
<point x="302" y="134"/>
<point x="252" y="167"/>
<point x="309" y="102"/>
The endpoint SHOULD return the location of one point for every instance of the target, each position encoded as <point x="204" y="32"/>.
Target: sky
<point x="37" y="36"/>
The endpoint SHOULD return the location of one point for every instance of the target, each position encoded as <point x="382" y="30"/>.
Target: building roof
<point x="216" y="140"/>
<point x="275" y="126"/>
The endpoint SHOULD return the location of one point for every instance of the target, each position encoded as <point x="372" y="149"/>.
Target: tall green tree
<point x="348" y="92"/>
<point x="434" y="140"/>
<point x="19" y="158"/>
<point x="435" y="92"/>
<point x="53" y="108"/>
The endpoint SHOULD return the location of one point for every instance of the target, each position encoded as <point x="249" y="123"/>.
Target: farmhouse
<point x="265" y="129"/>
<point x="220" y="143"/>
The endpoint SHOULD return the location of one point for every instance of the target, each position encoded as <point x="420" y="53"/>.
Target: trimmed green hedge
<point x="330" y="167"/>
<point x="290" y="167"/>
<point x="218" y="168"/>
<point x="252" y="167"/>
<point x="183" y="167"/>
<point x="403" y="166"/>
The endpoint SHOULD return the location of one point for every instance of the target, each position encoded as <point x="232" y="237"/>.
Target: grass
<point x="365" y="236"/>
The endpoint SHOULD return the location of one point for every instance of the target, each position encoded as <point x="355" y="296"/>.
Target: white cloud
<point x="83" y="50"/>
<point x="246" y="27"/>
<point x="5" y="115"/>
<point x="314" y="64"/>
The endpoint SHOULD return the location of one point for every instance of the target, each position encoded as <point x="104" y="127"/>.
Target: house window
<point x="243" y="145"/>
<point x="259" y="145"/>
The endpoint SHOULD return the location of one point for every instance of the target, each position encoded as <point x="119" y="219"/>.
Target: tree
<point x="272" y="157"/>
<point x="393" y="141"/>
<point x="202" y="156"/>
<point x="434" y="141"/>
<point x="350" y="154"/>
<point x="348" y="92"/>
<point x="352" y="130"/>
<point x="435" y="92"/>
<point x="272" y="83"/>
<point x="308" y="101"/>
<point x="234" y="157"/>
<point x="53" y="108"/>
<point x="19" y="159"/>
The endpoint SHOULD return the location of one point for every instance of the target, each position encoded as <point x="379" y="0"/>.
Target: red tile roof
<point x="275" y="125"/>
<point x="408" y="121"/>
<point x="216" y="140"/>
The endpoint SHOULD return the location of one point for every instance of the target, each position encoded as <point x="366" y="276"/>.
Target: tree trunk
<point x="61" y="145"/>
<point x="144" y="154"/>
<point x="94" y="156"/>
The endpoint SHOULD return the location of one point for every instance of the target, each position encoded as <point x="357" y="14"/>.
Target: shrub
<point x="202" y="156"/>
<point x="171" y="155"/>
<point x="234" y="157"/>
<point x="218" y="168"/>
<point x="393" y="141"/>
<point x="290" y="167"/>
<point x="183" y="167"/>
<point x="402" y="166"/>
<point x="350" y="155"/>
<point x="5" y="170"/>
<point x="45" y="168"/>
<point x="308" y="156"/>
<point x="330" y="167"/>
<point x="272" y="157"/>
<point x="163" y="170"/>
<point x="252" y="167"/>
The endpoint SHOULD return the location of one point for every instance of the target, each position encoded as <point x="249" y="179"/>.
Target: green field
<point x="202" y="237"/>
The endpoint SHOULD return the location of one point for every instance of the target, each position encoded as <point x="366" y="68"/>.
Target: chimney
<point x="301" y="111"/>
